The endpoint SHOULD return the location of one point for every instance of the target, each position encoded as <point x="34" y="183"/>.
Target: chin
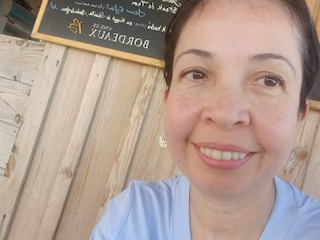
<point x="227" y="184"/>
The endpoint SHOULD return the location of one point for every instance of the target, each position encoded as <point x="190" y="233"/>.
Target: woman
<point x="238" y="73"/>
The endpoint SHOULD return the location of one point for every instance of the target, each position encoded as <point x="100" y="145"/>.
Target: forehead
<point x="241" y="27"/>
<point x="242" y="12"/>
<point x="229" y="8"/>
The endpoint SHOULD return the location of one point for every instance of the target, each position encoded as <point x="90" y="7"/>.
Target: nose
<point x="226" y="107"/>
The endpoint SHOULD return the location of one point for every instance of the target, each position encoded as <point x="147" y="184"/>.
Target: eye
<point x="194" y="75"/>
<point x="272" y="81"/>
<point x="269" y="82"/>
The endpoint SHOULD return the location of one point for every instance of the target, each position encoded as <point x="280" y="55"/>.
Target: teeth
<point x="235" y="156"/>
<point x="222" y="155"/>
<point x="216" y="154"/>
<point x="226" y="156"/>
<point x="207" y="152"/>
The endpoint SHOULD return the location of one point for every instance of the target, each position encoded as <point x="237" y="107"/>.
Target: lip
<point x="221" y="164"/>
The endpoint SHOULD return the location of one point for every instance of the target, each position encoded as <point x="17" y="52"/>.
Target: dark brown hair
<point x="299" y="12"/>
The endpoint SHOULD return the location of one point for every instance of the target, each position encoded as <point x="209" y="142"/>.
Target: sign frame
<point x="88" y="46"/>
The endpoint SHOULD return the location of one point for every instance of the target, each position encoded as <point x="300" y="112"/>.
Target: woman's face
<point x="231" y="114"/>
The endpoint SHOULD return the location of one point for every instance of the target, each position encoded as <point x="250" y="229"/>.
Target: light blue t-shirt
<point x="160" y="211"/>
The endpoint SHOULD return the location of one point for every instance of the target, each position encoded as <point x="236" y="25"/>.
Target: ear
<point x="302" y="115"/>
<point x="165" y="94"/>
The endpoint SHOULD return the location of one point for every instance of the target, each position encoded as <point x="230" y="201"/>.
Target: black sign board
<point x="128" y="29"/>
<point x="315" y="91"/>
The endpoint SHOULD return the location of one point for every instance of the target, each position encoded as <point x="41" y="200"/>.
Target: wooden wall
<point x="19" y="63"/>
<point x="82" y="125"/>
<point x="91" y="125"/>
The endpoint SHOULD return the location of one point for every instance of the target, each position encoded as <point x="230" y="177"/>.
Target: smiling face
<point x="231" y="114"/>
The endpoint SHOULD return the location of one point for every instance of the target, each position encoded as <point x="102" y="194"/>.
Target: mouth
<point x="222" y="155"/>
<point x="230" y="158"/>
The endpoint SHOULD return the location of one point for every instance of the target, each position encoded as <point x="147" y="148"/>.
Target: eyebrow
<point x="256" y="57"/>
<point x="272" y="56"/>
<point x="197" y="52"/>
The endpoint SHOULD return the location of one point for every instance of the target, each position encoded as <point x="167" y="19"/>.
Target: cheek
<point x="181" y="115"/>
<point x="277" y="129"/>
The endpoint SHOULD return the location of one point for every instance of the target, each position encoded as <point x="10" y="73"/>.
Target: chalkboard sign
<point x="128" y="29"/>
<point x="315" y="91"/>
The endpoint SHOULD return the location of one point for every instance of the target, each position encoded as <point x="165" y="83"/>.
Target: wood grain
<point x="14" y="95"/>
<point x="149" y="156"/>
<point x="69" y="162"/>
<point x="20" y="59"/>
<point x="16" y="86"/>
<point x="311" y="185"/>
<point x="315" y="105"/>
<point x="314" y="7"/>
<point x="12" y="104"/>
<point x="52" y="147"/>
<point x="304" y="144"/>
<point x="21" y="157"/>
<point x="8" y="135"/>
<point x="109" y="147"/>
<point x="129" y="139"/>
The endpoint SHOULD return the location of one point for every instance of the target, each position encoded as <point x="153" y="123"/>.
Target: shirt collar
<point x="278" y="226"/>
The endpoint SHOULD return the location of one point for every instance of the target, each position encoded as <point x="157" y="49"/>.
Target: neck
<point x="231" y="217"/>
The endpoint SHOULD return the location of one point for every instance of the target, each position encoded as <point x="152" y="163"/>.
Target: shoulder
<point x="143" y="196"/>
<point x="306" y="213"/>
<point x="139" y="211"/>
<point x="162" y="188"/>
<point x="307" y="208"/>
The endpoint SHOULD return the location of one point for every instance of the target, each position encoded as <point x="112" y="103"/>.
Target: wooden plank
<point x="152" y="162"/>
<point x="1" y="173"/>
<point x="12" y="104"/>
<point x="317" y="18"/>
<point x="311" y="185"/>
<point x="98" y="49"/>
<point x="8" y="135"/>
<point x="314" y="7"/>
<point x="304" y="144"/>
<point x="111" y="143"/>
<point x="69" y="163"/>
<point x="14" y="85"/>
<point x="126" y="148"/>
<point x="20" y="59"/>
<point x="13" y="181"/>
<point x="52" y="147"/>
<point x="315" y="105"/>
